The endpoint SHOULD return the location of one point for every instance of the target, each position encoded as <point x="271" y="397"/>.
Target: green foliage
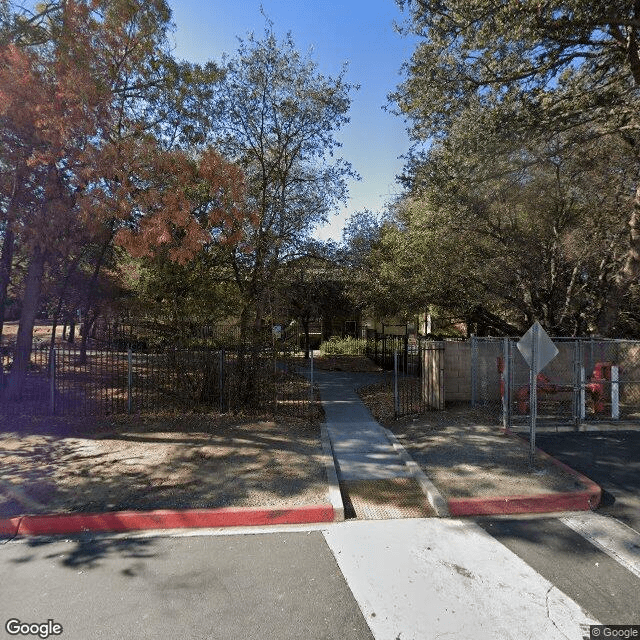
<point x="553" y="65"/>
<point x="278" y="117"/>
<point x="337" y="346"/>
<point x="520" y="206"/>
<point x="199" y="289"/>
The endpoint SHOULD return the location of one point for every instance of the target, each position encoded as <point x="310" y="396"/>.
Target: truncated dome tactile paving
<point x="385" y="499"/>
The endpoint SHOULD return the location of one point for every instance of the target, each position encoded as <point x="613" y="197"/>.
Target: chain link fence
<point x="590" y="380"/>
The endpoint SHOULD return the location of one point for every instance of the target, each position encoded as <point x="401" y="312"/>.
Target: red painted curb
<point x="582" y="500"/>
<point x="543" y="503"/>
<point x="189" y="518"/>
<point x="590" y="485"/>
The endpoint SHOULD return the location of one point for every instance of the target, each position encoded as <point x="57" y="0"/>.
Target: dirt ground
<point x="465" y="454"/>
<point x="51" y="465"/>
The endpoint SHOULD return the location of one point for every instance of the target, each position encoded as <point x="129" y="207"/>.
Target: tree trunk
<point x="609" y="316"/>
<point x="31" y="302"/>
<point x="6" y="260"/>
<point x="56" y="315"/>
<point x="87" y="328"/>
<point x="89" y="302"/>
<point x="244" y="367"/>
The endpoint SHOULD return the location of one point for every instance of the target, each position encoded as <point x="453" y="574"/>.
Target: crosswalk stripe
<point x="429" y="578"/>
<point x="616" y="539"/>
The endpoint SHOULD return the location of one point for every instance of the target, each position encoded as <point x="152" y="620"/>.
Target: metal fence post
<point x="129" y="380"/>
<point x="615" y="392"/>
<point x="406" y="354"/>
<point x="533" y="394"/>
<point x="396" y="398"/>
<point x="474" y="371"/>
<point x="221" y="378"/>
<point x="441" y="373"/>
<point x="577" y="351"/>
<point x="582" y="384"/>
<point x="506" y="383"/>
<point x="311" y="377"/>
<point x="52" y="378"/>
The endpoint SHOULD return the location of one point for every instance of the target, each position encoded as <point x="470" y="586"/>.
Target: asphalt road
<point x="403" y="579"/>
<point x="244" y="587"/>
<point x="594" y="580"/>
<point x="610" y="458"/>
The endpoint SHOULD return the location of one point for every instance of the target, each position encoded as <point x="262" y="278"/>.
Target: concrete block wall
<point x="457" y="372"/>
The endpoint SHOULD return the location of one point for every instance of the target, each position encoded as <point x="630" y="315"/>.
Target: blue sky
<point x="355" y="31"/>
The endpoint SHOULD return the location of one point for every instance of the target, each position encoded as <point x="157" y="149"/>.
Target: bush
<point x="337" y="346"/>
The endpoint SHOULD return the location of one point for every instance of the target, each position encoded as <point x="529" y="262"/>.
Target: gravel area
<point x="57" y="465"/>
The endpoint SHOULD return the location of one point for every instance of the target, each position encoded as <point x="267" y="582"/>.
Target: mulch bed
<point x="57" y="465"/>
<point x="465" y="452"/>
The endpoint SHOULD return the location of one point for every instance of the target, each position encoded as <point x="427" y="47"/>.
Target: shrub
<point x="337" y="346"/>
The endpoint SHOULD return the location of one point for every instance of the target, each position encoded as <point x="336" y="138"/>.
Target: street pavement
<point x="610" y="458"/>
<point x="406" y="579"/>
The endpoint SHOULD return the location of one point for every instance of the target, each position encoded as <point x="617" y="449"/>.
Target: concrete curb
<point x="163" y="519"/>
<point x="434" y="497"/>
<point x="585" y="499"/>
<point x="335" y="497"/>
<point x="581" y="500"/>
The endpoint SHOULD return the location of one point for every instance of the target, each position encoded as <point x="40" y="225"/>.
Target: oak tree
<point x="277" y="116"/>
<point x="562" y="68"/>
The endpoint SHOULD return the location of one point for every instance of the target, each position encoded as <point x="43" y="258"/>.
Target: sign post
<point x="538" y="350"/>
<point x="533" y="391"/>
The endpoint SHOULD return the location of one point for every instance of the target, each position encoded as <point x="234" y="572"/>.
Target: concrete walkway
<point x="361" y="448"/>
<point x="377" y="477"/>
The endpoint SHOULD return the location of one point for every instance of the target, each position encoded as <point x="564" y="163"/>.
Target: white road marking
<point x="417" y="579"/>
<point x="616" y="539"/>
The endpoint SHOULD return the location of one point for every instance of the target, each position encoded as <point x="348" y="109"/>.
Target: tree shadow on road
<point x="88" y="551"/>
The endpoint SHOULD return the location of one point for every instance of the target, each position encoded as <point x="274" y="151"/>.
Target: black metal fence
<point x="61" y="381"/>
<point x="153" y="335"/>
<point x="382" y="347"/>
<point x="417" y="383"/>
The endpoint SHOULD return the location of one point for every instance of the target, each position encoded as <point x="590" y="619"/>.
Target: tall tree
<point x="502" y="239"/>
<point x="277" y="117"/>
<point x="563" y="66"/>
<point x="78" y="81"/>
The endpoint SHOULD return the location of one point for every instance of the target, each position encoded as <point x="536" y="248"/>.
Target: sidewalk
<point x="376" y="481"/>
<point x="452" y="468"/>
